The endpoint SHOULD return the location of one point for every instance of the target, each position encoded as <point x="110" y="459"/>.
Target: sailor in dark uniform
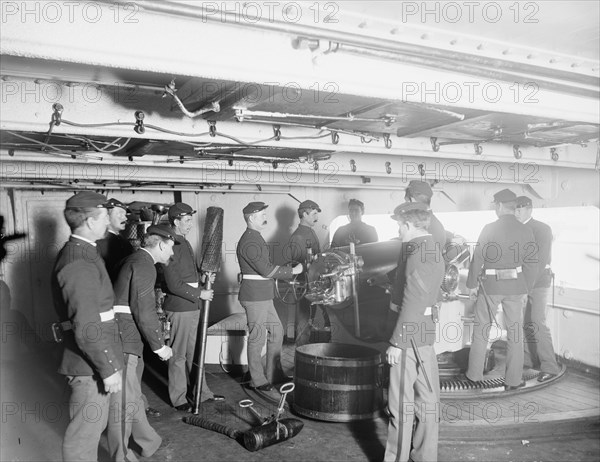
<point x="114" y="248"/>
<point x="93" y="354"/>
<point x="303" y="246"/>
<point x="304" y="237"/>
<point x="538" y="340"/>
<point x="182" y="306"/>
<point x="414" y="379"/>
<point x="419" y="192"/>
<point x="135" y="311"/>
<point x="256" y="294"/>
<point x="502" y="272"/>
<point x="356" y="231"/>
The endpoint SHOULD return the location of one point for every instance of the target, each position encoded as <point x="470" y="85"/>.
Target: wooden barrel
<point x="338" y="382"/>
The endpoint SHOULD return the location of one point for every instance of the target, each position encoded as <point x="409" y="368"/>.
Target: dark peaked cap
<point x="506" y="195"/>
<point x="356" y="202"/>
<point x="407" y="207"/>
<point x="86" y="199"/>
<point x="161" y="230"/>
<point x="254" y="207"/>
<point x="419" y="187"/>
<point x="308" y="204"/>
<point x="179" y="210"/>
<point x="112" y="203"/>
<point x="524" y="201"/>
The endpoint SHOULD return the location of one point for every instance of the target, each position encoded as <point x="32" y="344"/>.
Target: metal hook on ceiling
<point x="517" y="152"/>
<point x="387" y="141"/>
<point x="212" y="128"/>
<point x="139" y="123"/>
<point x="57" y="109"/>
<point x="335" y="137"/>
<point x="435" y="144"/>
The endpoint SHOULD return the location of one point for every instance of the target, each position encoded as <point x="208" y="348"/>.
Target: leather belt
<point x="122" y="309"/>
<point x="58" y="328"/>
<point x="65" y="325"/>
<point x="254" y="277"/>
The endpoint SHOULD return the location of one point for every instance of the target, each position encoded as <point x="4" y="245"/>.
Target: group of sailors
<point x="104" y="294"/>
<point x="510" y="267"/>
<point x="105" y="297"/>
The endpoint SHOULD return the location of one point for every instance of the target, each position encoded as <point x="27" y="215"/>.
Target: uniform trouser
<point x="538" y="340"/>
<point x="139" y="372"/>
<point x="184" y="331"/>
<point x="512" y="306"/>
<point x="127" y="418"/>
<point x="88" y="412"/>
<point x="263" y="323"/>
<point x="409" y="399"/>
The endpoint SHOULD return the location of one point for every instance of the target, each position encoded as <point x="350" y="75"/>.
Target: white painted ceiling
<point x="565" y="28"/>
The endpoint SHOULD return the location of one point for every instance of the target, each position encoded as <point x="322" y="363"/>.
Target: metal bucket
<point x="338" y="382"/>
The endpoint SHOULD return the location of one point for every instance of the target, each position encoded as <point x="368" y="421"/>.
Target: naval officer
<point x="414" y="378"/>
<point x="92" y="359"/>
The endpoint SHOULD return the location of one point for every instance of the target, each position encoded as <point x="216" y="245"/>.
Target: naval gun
<point x="335" y="277"/>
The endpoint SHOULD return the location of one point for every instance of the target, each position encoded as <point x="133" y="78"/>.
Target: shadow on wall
<point x="34" y="403"/>
<point x="18" y="335"/>
<point x="285" y="217"/>
<point x="48" y="236"/>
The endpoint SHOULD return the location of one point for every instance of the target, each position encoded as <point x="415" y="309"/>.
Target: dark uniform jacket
<point x="299" y="239"/>
<point x="255" y="259"/>
<point x="506" y="243"/>
<point x="444" y="239"/>
<point x="357" y="232"/>
<point x="181" y="270"/>
<point x="135" y="288"/>
<point x="82" y="291"/>
<point x="113" y="249"/>
<point x="542" y="234"/>
<point x="417" y="287"/>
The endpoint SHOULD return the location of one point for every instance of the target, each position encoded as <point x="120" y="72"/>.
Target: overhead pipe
<point x="466" y="68"/>
<point x="34" y="184"/>
<point x="378" y="44"/>
<point x="244" y="113"/>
